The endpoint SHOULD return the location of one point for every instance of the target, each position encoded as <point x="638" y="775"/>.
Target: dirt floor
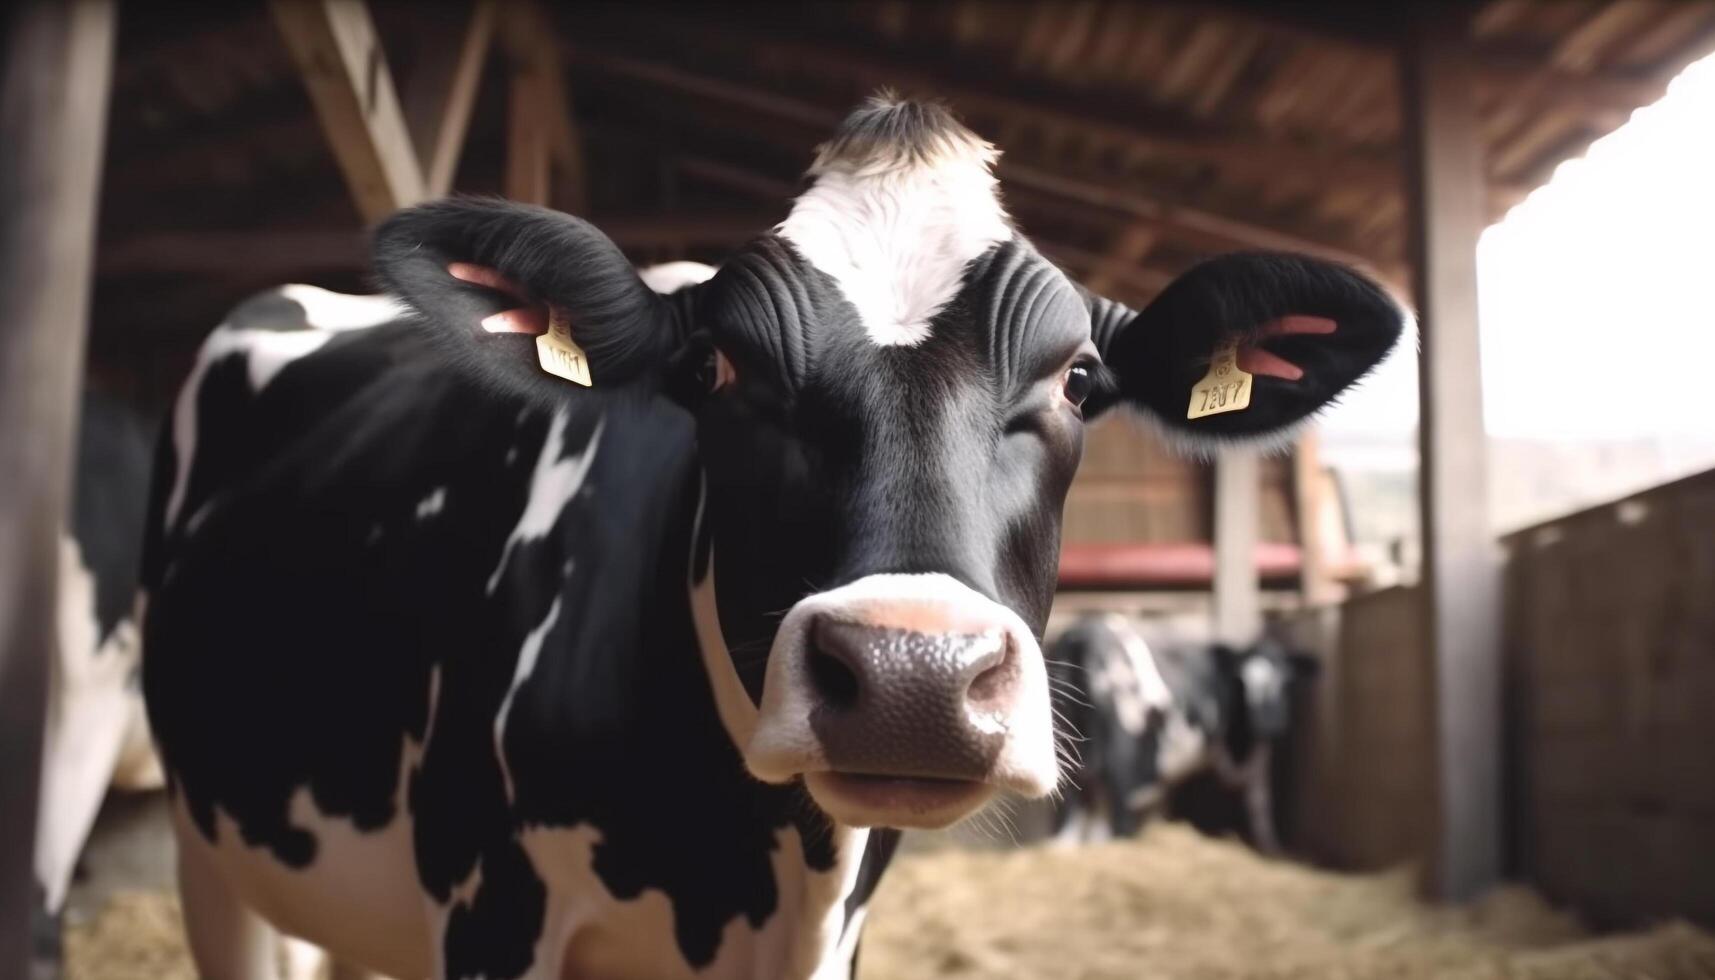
<point x="1171" y="905"/>
<point x="1178" y="906"/>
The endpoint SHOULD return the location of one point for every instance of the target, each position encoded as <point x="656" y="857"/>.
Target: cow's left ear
<point x="625" y="330"/>
<point x="1304" y="329"/>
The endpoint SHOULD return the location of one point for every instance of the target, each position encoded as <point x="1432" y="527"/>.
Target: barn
<point x="1502" y="756"/>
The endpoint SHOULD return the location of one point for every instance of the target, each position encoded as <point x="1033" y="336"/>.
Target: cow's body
<point x="1162" y="714"/>
<point x="435" y="651"/>
<point x="499" y="704"/>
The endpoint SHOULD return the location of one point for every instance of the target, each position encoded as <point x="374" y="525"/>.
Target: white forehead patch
<point x="903" y="198"/>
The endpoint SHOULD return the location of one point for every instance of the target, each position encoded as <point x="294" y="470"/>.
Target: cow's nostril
<point x="995" y="684"/>
<point x="833" y="681"/>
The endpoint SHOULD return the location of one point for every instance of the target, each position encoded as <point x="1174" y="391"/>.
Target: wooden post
<point x="527" y="31"/>
<point x="1315" y="583"/>
<point x="527" y="159"/>
<point x="1461" y="577"/>
<point x="1238" y="601"/>
<point x="53" y="118"/>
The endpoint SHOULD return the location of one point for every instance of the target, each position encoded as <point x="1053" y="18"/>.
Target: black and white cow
<point x="1160" y="719"/>
<point x="462" y="670"/>
<point x="96" y="734"/>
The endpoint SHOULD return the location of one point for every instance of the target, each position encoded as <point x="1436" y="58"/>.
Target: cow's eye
<point x="1077" y="385"/>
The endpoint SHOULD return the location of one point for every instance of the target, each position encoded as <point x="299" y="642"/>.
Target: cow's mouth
<point x="915" y="802"/>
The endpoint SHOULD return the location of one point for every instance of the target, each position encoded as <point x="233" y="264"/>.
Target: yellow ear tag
<point x="558" y="353"/>
<point x="1224" y="389"/>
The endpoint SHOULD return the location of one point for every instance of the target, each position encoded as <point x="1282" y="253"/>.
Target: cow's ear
<point x="1303" y="328"/>
<point x="626" y="330"/>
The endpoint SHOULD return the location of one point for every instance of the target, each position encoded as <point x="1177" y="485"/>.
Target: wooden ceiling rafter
<point x="390" y="161"/>
<point x="1542" y="89"/>
<point x="1198" y="226"/>
<point x="1005" y="94"/>
<point x="441" y="93"/>
<point x="1130" y="246"/>
<point x="529" y="36"/>
<point x="278" y="252"/>
<point x="339" y="56"/>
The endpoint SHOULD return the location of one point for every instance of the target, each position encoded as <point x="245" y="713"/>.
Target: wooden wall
<point x="1609" y="767"/>
<point x="1611" y="681"/>
<point x="1363" y="793"/>
<point x="1132" y="488"/>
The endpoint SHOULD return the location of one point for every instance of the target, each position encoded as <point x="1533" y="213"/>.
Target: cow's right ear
<point x="626" y="330"/>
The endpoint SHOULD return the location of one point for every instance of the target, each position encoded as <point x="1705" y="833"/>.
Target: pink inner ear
<point x="1297" y="324"/>
<point x="529" y="318"/>
<point x="1255" y="360"/>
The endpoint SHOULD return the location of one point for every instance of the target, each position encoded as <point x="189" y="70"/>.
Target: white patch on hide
<point x="93" y="716"/>
<point x="432" y="504"/>
<point x="327" y="310"/>
<point x="738" y="713"/>
<point x="359" y="898"/>
<point x="588" y="932"/>
<point x="266" y="352"/>
<point x="527" y="656"/>
<point x="552" y="486"/>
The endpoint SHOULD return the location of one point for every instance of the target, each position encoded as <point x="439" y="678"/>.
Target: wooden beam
<point x="272" y="254"/>
<point x="1238" y="501"/>
<point x="57" y="59"/>
<point x="1461" y="578"/>
<point x="1143" y="281"/>
<point x="438" y="98"/>
<point x="991" y="90"/>
<point x="1195" y="224"/>
<point x="531" y="40"/>
<point x="738" y="179"/>
<point x="1373" y="29"/>
<point x="1316" y="582"/>
<point x="340" y="58"/>
<point x="1130" y="245"/>
<point x="527" y="157"/>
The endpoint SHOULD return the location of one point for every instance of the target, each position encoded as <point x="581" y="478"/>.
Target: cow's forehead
<point x="903" y="198"/>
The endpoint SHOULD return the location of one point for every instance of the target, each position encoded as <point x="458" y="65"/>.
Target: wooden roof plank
<point x="1200" y="225"/>
<point x="1095" y="117"/>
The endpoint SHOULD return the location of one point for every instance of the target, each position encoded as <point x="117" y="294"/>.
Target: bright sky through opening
<point x="1597" y="293"/>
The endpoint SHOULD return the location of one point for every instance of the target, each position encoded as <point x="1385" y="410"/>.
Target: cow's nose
<point x="904" y="701"/>
<point x="892" y="701"/>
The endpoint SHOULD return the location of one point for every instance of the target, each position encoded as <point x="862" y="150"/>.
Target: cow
<point x="1166" y="724"/>
<point x="463" y="668"/>
<point x="96" y="734"/>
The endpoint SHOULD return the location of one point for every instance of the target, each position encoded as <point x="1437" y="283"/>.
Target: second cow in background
<point x="1158" y="716"/>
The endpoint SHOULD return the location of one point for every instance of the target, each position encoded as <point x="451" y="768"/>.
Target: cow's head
<point x="890" y="389"/>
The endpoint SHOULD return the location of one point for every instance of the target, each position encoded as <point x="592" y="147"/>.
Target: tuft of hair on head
<point x="890" y="133"/>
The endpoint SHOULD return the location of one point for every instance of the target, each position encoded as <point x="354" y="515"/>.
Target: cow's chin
<point x="905" y="802"/>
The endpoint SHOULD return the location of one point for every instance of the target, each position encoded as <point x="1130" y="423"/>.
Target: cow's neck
<point x="794" y="886"/>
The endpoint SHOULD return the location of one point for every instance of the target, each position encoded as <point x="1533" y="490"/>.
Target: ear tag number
<point x="1224" y="389"/>
<point x="558" y="353"/>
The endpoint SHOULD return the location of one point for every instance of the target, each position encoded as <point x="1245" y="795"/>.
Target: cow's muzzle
<point x="905" y="700"/>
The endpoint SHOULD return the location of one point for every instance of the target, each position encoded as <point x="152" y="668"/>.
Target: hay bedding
<point x="1170" y="905"/>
